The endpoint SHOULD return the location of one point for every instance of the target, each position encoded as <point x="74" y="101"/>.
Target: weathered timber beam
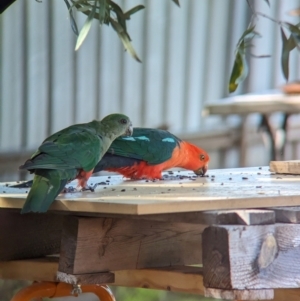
<point x="251" y="257"/>
<point x="287" y="214"/>
<point x="177" y="279"/>
<point x="285" y="167"/>
<point x="93" y="245"/>
<point x="262" y="294"/>
<point x="212" y="217"/>
<point x="29" y="235"/>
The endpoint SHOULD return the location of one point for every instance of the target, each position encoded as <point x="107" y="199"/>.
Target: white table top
<point x="181" y="191"/>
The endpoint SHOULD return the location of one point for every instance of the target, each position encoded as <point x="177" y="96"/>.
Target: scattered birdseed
<point x="259" y="173"/>
<point x="102" y="183"/>
<point x="244" y="178"/>
<point x="222" y="183"/>
<point x="259" y="167"/>
<point x="230" y="178"/>
<point x="258" y="186"/>
<point x="122" y="190"/>
<point x="278" y="178"/>
<point x="134" y="189"/>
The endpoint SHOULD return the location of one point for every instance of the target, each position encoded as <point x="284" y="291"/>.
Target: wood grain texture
<point x="42" y="269"/>
<point x="94" y="278"/>
<point x="218" y="217"/>
<point x="170" y="280"/>
<point x="92" y="245"/>
<point x="254" y="103"/>
<point x="29" y="236"/>
<point x="177" y="279"/>
<point x="285" y="167"/>
<point x="287" y="214"/>
<point x="251" y="257"/>
<point x="265" y="294"/>
<point x="223" y="189"/>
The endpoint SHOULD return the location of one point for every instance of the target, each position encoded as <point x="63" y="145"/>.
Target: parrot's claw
<point x="69" y="189"/>
<point x="91" y="188"/>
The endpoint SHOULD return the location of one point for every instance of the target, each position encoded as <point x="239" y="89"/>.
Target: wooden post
<point x="251" y="257"/>
<point x="94" y="245"/>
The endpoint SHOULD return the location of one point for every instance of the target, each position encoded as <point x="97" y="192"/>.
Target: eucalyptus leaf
<point x="285" y="55"/>
<point x="240" y="69"/>
<point x="177" y="2"/>
<point x="268" y="2"/>
<point x="86" y="27"/>
<point x="102" y="11"/>
<point x="249" y="34"/>
<point x="124" y="38"/>
<point x="72" y="20"/>
<point x="133" y="11"/>
<point x="120" y="15"/>
<point x="295" y="31"/>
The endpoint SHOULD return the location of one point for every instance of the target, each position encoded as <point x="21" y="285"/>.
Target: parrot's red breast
<point x="185" y="155"/>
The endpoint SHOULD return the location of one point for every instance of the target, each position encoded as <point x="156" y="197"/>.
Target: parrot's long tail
<point x="47" y="184"/>
<point x="23" y="184"/>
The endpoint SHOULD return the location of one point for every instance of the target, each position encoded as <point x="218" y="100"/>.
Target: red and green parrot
<point x="147" y="153"/>
<point x="69" y="154"/>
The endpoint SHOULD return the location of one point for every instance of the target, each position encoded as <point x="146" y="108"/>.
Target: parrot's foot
<point x="69" y="189"/>
<point x="91" y="188"/>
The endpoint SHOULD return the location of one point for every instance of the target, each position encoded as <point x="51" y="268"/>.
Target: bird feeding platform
<point x="233" y="234"/>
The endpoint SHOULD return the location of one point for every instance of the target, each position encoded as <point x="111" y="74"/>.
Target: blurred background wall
<point x="187" y="55"/>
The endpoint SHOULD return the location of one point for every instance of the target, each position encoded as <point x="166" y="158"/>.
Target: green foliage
<point x="240" y="69"/>
<point x="107" y="12"/>
<point x="10" y="287"/>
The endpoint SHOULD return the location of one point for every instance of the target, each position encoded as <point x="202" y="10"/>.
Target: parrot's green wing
<point x="151" y="145"/>
<point x="77" y="146"/>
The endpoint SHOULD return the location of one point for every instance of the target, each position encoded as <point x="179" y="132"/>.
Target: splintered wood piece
<point x="285" y="167"/>
<point x="287" y="214"/>
<point x="94" y="278"/>
<point x="93" y="245"/>
<point x="251" y="257"/>
<point x="264" y="294"/>
<point x="29" y="235"/>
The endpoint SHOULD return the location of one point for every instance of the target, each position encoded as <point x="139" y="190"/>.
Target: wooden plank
<point x="93" y="278"/>
<point x="264" y="294"/>
<point x="218" y="217"/>
<point x="117" y="244"/>
<point x="179" y="279"/>
<point x="285" y="167"/>
<point x="254" y="103"/>
<point x="251" y="257"/>
<point x="29" y="236"/>
<point x="42" y="269"/>
<point x="174" y="281"/>
<point x="181" y="191"/>
<point x="287" y="214"/>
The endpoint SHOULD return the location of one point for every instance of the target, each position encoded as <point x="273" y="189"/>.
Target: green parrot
<point x="69" y="154"/>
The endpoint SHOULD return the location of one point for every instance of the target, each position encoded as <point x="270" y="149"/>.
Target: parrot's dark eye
<point x="123" y="121"/>
<point x="202" y="157"/>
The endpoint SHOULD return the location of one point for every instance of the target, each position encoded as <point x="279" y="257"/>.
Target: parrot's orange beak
<point x="201" y="171"/>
